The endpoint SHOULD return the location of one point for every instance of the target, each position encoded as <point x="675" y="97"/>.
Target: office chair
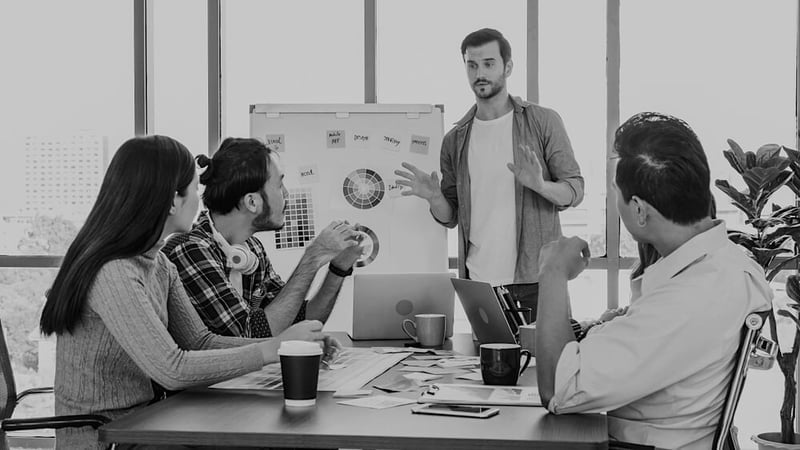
<point x="9" y="400"/>
<point x="755" y="351"/>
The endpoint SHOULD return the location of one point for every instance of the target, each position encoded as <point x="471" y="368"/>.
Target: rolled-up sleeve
<point x="636" y="355"/>
<point x="560" y="158"/>
<point x="449" y="182"/>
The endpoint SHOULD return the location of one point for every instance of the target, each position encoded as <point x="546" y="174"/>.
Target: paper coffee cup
<point x="300" y="371"/>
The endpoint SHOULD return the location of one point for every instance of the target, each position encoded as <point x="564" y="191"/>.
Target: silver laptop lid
<point x="483" y="310"/>
<point x="382" y="301"/>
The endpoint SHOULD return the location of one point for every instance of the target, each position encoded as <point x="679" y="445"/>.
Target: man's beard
<point x="495" y="87"/>
<point x="262" y="222"/>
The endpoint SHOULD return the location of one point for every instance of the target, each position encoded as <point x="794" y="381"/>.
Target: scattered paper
<point x="352" y="393"/>
<point x="399" y="350"/>
<point x="400" y="385"/>
<point x="419" y="376"/>
<point x="415" y="363"/>
<point x="474" y="376"/>
<point x="433" y="370"/>
<point x="378" y="402"/>
<point x="445" y="363"/>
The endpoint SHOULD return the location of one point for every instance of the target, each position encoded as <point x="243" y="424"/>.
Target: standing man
<point x="662" y="369"/>
<point x="507" y="170"/>
<point x="226" y="270"/>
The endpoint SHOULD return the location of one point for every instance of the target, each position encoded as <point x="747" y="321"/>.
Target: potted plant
<point x="776" y="234"/>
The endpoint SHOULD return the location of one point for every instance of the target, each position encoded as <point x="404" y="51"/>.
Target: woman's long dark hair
<point x="127" y="219"/>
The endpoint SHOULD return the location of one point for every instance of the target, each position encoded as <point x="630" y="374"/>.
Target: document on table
<point x="378" y="402"/>
<point x="475" y="394"/>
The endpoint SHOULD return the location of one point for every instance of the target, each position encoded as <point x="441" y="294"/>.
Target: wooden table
<point x="258" y="418"/>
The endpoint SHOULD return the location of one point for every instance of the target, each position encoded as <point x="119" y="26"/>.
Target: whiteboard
<point x="339" y="163"/>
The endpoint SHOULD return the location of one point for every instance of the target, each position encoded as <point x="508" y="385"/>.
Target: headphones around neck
<point x="239" y="257"/>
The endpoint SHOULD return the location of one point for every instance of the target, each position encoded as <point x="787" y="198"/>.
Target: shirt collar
<point x="684" y="256"/>
<point x="516" y="101"/>
<point x="204" y="222"/>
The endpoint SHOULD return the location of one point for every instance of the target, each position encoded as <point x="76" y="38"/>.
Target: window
<point x="67" y="104"/>
<point x="715" y="74"/>
<point x="282" y="51"/>
<point x="68" y="92"/>
<point x="180" y="72"/>
<point x="425" y="66"/>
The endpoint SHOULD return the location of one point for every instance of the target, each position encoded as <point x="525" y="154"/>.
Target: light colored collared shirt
<point x="662" y="370"/>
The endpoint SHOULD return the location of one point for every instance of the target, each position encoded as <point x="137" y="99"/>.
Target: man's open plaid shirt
<point x="202" y="266"/>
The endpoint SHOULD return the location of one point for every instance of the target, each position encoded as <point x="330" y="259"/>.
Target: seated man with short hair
<point x="225" y="269"/>
<point x="662" y="369"/>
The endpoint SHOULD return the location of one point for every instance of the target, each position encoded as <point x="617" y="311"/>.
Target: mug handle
<point x="413" y="325"/>
<point x="527" y="360"/>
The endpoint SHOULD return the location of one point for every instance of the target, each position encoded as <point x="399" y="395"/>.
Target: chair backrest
<point x="8" y="390"/>
<point x="752" y="347"/>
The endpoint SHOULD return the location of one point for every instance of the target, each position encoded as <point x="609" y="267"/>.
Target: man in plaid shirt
<point x="225" y="269"/>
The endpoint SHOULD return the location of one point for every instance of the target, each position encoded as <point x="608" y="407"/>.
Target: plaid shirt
<point x="202" y="267"/>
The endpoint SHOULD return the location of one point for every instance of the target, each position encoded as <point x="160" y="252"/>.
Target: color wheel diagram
<point x="363" y="188"/>
<point x="369" y="240"/>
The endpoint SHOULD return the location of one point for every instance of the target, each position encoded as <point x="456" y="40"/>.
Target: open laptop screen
<point x="382" y="301"/>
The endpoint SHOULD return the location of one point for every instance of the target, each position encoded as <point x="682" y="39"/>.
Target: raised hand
<point x="566" y="256"/>
<point x="529" y="170"/>
<point x="420" y="183"/>
<point x="336" y="237"/>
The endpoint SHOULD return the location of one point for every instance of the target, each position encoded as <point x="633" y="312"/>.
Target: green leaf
<point x="775" y="270"/>
<point x="740" y="199"/>
<point x="738" y="153"/>
<point x="767" y="152"/>
<point x="793" y="287"/>
<point x="738" y="165"/>
<point x="764" y="256"/>
<point x="750" y="160"/>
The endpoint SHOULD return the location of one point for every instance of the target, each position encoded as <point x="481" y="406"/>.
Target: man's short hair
<point x="662" y="162"/>
<point x="484" y="36"/>
<point x="239" y="167"/>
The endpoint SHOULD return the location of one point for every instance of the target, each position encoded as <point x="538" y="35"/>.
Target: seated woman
<point x="118" y="305"/>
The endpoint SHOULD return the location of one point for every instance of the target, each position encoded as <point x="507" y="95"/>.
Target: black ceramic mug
<point x="500" y="363"/>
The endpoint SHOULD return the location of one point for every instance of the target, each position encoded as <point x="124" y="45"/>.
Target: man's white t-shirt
<point x="492" y="253"/>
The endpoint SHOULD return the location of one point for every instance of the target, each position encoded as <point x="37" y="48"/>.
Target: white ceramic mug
<point x="430" y="330"/>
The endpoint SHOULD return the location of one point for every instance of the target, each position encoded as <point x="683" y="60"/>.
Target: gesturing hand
<point x="347" y="257"/>
<point x="335" y="238"/>
<point x="529" y="170"/>
<point x="422" y="185"/>
<point x="567" y="256"/>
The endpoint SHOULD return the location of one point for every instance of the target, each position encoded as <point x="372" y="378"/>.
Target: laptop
<point x="483" y="310"/>
<point x="382" y="301"/>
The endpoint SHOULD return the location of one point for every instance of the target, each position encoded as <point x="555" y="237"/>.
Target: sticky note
<point x="358" y="139"/>
<point x="391" y="142"/>
<point x="308" y="174"/>
<point x="335" y="138"/>
<point x="394" y="190"/>
<point x="275" y="142"/>
<point x="419" y="144"/>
